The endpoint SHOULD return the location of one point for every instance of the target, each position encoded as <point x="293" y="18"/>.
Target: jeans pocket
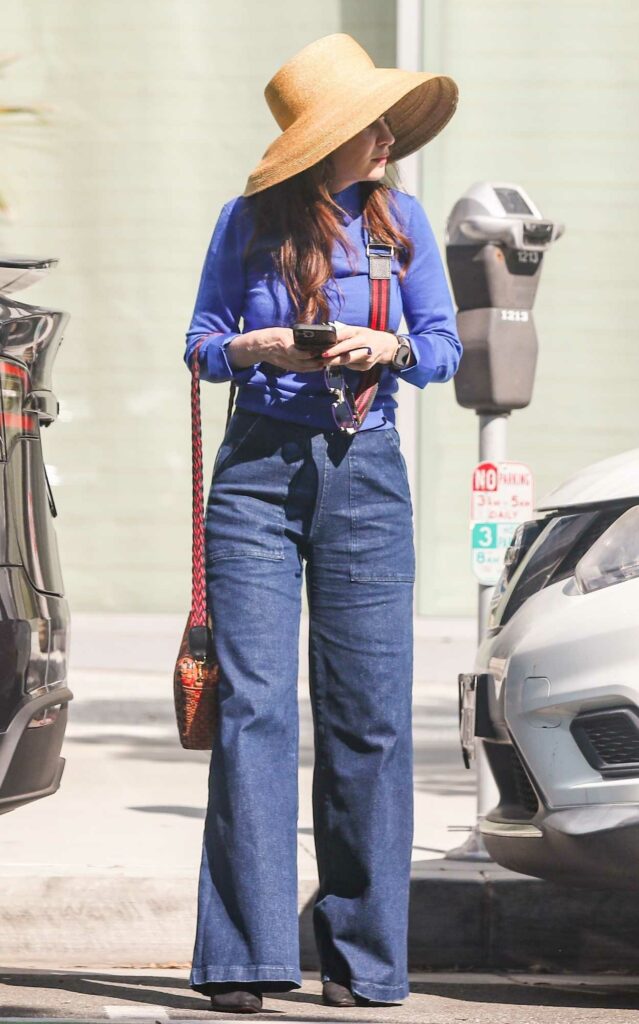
<point x="263" y="540"/>
<point x="382" y="545"/>
<point x="245" y="510"/>
<point x="393" y="438"/>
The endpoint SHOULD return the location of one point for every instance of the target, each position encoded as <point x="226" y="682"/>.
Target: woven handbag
<point x="196" y="670"/>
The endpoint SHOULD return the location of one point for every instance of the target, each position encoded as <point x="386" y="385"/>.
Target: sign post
<point x="501" y="497"/>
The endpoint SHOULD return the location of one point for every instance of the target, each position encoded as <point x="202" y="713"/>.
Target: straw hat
<point x="330" y="91"/>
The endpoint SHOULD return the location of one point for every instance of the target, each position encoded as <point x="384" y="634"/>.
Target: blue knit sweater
<point x="236" y="295"/>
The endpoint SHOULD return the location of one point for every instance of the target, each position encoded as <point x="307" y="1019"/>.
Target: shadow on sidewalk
<point x="160" y="990"/>
<point x="537" y="993"/>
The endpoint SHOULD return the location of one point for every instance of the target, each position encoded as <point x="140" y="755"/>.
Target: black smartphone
<point x="314" y="337"/>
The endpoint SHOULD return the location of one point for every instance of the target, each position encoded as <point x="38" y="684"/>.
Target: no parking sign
<point x="502" y="497"/>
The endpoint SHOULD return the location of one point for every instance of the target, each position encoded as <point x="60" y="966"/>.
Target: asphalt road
<point x="162" y="995"/>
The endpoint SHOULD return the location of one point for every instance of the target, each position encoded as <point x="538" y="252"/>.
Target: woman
<point x="301" y="484"/>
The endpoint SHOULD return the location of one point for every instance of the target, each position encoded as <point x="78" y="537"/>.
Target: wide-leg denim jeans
<point x="289" y="500"/>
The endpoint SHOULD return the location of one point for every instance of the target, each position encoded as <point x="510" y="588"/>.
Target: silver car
<point x="556" y="685"/>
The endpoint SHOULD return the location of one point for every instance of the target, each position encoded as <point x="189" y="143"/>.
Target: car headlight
<point x="614" y="557"/>
<point x="524" y="536"/>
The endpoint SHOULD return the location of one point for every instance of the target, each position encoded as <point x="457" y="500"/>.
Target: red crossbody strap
<point x="198" y="576"/>
<point x="379" y="276"/>
<point x="379" y="302"/>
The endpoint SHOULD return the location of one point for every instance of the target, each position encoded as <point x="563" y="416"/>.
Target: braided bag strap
<point x="198" y="619"/>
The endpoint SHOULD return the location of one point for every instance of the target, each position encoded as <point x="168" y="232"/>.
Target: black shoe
<point x="237" y="1000"/>
<point x="337" y="995"/>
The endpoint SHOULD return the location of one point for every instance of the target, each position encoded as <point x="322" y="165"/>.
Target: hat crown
<point x="321" y="66"/>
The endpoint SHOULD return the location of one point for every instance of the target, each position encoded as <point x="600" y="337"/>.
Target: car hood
<point x="610" y="479"/>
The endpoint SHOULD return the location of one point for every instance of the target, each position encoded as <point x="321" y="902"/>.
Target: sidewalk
<point x="162" y="996"/>
<point x="105" y="871"/>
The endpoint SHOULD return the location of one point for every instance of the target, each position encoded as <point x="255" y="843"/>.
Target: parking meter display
<point x="513" y="201"/>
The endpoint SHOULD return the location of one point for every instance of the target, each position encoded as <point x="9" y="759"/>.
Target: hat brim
<point x="418" y="105"/>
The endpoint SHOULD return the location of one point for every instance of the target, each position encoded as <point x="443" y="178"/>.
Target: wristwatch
<point x="403" y="353"/>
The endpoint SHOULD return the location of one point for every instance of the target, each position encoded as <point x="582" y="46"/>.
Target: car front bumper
<point x="562" y="656"/>
<point x="590" y="847"/>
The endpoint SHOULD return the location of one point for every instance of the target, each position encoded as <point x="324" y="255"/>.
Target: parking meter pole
<point x="492" y="448"/>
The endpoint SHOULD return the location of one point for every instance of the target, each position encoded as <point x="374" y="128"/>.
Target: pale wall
<point x="159" y="119"/>
<point x="549" y="91"/>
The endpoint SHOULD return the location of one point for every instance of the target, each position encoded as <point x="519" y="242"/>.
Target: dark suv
<point x="34" y="617"/>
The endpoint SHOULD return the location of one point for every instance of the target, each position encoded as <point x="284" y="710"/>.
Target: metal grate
<point x="609" y="739"/>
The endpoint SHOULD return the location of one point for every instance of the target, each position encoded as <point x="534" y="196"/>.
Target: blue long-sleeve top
<point x="237" y="295"/>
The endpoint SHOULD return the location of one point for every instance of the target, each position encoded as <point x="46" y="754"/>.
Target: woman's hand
<point x="272" y="345"/>
<point x="373" y="347"/>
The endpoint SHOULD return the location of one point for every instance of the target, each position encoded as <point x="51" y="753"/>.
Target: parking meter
<point x="495" y="243"/>
<point x="496" y="239"/>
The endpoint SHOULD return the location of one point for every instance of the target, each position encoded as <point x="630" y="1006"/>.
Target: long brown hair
<point x="302" y="222"/>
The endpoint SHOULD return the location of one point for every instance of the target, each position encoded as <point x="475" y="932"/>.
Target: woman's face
<point x="364" y="157"/>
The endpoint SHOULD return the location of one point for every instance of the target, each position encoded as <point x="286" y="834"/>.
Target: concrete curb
<point x="468" y="915"/>
<point x="464" y="916"/>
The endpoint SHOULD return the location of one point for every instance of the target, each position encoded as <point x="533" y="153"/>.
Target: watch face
<point x="402" y="356"/>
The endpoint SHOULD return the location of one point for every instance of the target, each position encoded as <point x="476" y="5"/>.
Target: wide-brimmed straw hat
<point x="330" y="91"/>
